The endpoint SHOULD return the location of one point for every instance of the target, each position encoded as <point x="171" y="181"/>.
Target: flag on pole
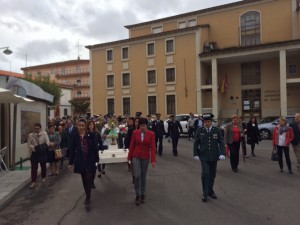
<point x="224" y="85"/>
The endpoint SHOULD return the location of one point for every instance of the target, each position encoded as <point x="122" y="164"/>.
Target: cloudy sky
<point x="47" y="31"/>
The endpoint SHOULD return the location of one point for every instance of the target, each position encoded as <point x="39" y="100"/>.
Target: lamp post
<point x="6" y="50"/>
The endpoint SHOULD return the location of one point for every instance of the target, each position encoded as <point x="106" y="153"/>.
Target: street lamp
<point x="6" y="51"/>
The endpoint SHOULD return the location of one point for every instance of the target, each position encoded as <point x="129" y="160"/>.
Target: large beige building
<point x="239" y="58"/>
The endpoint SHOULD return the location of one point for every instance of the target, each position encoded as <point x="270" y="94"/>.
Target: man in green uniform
<point x="209" y="148"/>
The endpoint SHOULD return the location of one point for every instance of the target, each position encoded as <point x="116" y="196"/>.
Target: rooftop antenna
<point x="78" y="47"/>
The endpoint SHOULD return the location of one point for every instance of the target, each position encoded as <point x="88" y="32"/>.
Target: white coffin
<point x="113" y="155"/>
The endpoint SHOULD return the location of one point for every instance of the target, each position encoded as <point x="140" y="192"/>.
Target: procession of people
<point x="80" y="140"/>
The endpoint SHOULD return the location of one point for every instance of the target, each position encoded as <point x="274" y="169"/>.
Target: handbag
<point x="274" y="155"/>
<point x="58" y="154"/>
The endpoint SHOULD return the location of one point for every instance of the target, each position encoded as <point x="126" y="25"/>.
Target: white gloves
<point x="221" y="157"/>
<point x="196" y="157"/>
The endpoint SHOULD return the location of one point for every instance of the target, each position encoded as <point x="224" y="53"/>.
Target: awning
<point x="6" y="96"/>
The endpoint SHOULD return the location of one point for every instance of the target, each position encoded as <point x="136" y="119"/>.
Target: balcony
<point x="81" y="96"/>
<point x="73" y="84"/>
<point x="73" y="72"/>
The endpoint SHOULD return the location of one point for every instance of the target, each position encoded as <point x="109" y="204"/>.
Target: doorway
<point x="251" y="103"/>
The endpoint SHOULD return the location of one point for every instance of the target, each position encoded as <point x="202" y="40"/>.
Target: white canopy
<point x="6" y="96"/>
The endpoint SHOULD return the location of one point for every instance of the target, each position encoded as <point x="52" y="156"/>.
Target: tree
<point x="80" y="106"/>
<point x="47" y="85"/>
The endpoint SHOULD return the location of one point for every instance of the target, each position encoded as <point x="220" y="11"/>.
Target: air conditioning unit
<point x="209" y="46"/>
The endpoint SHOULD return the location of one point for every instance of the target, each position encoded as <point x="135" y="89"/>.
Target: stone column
<point x="283" y="91"/>
<point x="214" y="76"/>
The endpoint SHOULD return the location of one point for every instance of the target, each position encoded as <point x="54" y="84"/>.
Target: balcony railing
<point x="81" y="96"/>
<point x="72" y="72"/>
<point x="73" y="84"/>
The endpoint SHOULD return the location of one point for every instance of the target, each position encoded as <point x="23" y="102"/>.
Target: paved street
<point x="258" y="194"/>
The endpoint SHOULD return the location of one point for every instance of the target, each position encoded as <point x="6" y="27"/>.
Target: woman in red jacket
<point x="282" y="136"/>
<point x="142" y="148"/>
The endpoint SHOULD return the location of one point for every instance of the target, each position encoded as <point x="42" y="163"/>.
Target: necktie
<point x="208" y="130"/>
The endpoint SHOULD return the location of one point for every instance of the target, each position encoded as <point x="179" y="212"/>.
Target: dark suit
<point x="70" y="133"/>
<point x="296" y="142"/>
<point x="159" y="130"/>
<point x="85" y="164"/>
<point x="209" y="146"/>
<point x="174" y="130"/>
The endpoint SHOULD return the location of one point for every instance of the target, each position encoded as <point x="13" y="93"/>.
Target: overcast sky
<point x="46" y="31"/>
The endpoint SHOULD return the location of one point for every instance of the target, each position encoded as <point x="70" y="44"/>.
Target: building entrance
<point x="251" y="103"/>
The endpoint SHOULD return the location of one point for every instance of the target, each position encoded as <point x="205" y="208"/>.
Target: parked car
<point x="267" y="125"/>
<point x="182" y="118"/>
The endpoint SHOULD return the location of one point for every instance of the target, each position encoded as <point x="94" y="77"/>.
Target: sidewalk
<point x="14" y="181"/>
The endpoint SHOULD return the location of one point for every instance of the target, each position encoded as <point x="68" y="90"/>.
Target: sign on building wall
<point x="28" y="119"/>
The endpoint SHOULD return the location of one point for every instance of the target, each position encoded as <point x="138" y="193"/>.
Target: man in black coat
<point x="174" y="131"/>
<point x="296" y="142"/>
<point x="159" y="130"/>
<point x="71" y="129"/>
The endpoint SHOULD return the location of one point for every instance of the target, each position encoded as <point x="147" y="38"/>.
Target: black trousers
<point x="209" y="171"/>
<point x="286" y="151"/>
<point x="175" y="144"/>
<point x="87" y="181"/>
<point x="159" y="141"/>
<point x="191" y="132"/>
<point x="234" y="154"/>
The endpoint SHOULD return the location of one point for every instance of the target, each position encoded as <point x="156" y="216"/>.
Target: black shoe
<point x="204" y="198"/>
<point x="99" y="175"/>
<point x="93" y="186"/>
<point x="212" y="195"/>
<point x="175" y="153"/>
<point x="143" y="199"/>
<point x="253" y="155"/>
<point x="137" y="200"/>
<point x="290" y="172"/>
<point x="87" y="202"/>
<point x="235" y="170"/>
<point x="281" y="170"/>
<point x="103" y="172"/>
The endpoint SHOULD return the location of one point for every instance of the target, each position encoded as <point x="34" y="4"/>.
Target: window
<point x="150" y="49"/>
<point x="250" y="73"/>
<point x="125" y="53"/>
<point x="152" y="107"/>
<point x="126" y="106"/>
<point x="157" y="29"/>
<point x="110" y="81"/>
<point x="111" y="105"/>
<point x="151" y="76"/>
<point x="171" y="104"/>
<point x="192" y="23"/>
<point x="65" y="112"/>
<point x="170" y="46"/>
<point x="125" y="79"/>
<point x="109" y="55"/>
<point x="170" y="75"/>
<point x="78" y="70"/>
<point x="78" y="82"/>
<point x="53" y="70"/>
<point x="250" y="28"/>
<point x="181" y="25"/>
<point x="78" y="93"/>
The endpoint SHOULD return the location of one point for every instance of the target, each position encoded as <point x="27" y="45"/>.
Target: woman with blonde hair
<point x="282" y="136"/>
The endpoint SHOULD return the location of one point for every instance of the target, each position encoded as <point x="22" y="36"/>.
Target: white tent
<point x="6" y="96"/>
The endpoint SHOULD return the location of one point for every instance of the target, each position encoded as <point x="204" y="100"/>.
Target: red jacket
<point x="143" y="149"/>
<point x="288" y="137"/>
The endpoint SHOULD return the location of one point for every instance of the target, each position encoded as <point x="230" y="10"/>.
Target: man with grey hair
<point x="296" y="142"/>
